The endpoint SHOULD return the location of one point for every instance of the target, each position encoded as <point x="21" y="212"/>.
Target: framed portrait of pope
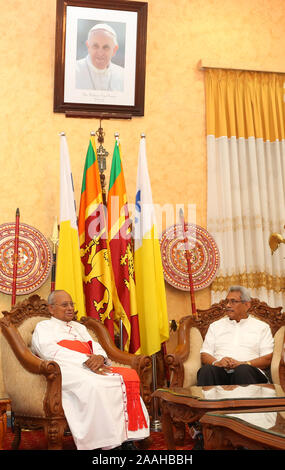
<point x="100" y="52"/>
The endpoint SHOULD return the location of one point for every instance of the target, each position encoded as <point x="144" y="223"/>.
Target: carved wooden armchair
<point x="34" y="385"/>
<point x="185" y="361"/>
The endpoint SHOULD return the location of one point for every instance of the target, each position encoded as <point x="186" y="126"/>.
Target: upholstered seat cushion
<point x="28" y="389"/>
<point x="193" y="362"/>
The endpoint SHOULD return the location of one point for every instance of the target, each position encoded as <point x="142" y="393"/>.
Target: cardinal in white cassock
<point x="101" y="403"/>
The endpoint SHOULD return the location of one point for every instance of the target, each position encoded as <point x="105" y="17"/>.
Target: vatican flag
<point x="150" y="287"/>
<point x="68" y="266"/>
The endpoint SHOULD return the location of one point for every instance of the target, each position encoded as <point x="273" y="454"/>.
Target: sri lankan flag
<point x="94" y="251"/>
<point x="121" y="249"/>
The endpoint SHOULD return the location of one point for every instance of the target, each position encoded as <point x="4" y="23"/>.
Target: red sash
<point x="79" y="346"/>
<point x="131" y="379"/>
<point x="135" y="412"/>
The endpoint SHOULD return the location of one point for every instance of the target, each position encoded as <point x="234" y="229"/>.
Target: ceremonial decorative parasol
<point x="34" y="259"/>
<point x="203" y="251"/>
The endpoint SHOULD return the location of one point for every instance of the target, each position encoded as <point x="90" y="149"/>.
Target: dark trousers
<point x="241" y="375"/>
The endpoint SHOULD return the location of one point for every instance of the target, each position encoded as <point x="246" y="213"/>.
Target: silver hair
<point x="52" y="295"/>
<point x="244" y="293"/>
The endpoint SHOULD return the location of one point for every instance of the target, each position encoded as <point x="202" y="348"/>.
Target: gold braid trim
<point x="250" y="280"/>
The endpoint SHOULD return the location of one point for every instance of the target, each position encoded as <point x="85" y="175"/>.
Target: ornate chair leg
<point x="54" y="431"/>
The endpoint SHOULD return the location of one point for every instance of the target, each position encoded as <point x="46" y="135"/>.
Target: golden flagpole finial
<point x="274" y="241"/>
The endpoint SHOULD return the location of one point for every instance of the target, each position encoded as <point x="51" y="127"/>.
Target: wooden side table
<point x="4" y="403"/>
<point x="180" y="405"/>
<point x="254" y="430"/>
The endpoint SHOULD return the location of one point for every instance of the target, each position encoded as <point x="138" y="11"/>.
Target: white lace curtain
<point x="246" y="180"/>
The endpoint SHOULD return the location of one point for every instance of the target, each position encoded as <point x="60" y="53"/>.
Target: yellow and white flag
<point x="150" y="287"/>
<point x="68" y="266"/>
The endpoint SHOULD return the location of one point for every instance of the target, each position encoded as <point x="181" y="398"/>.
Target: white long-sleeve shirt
<point x="244" y="340"/>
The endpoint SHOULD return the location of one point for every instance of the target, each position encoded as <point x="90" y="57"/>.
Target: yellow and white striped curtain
<point x="246" y="180"/>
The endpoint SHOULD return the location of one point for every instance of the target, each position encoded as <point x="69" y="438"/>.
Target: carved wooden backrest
<point x="34" y="306"/>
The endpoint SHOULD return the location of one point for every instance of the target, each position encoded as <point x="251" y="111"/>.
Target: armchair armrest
<point x="176" y="369"/>
<point x="175" y="360"/>
<point x="281" y="368"/>
<point x="104" y="338"/>
<point x="282" y="373"/>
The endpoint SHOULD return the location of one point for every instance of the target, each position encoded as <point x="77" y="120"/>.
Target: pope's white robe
<point x="94" y="405"/>
<point x="89" y="77"/>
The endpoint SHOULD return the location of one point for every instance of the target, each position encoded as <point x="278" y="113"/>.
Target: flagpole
<point x="117" y="135"/>
<point x="187" y="255"/>
<point x="155" y="422"/>
<point x="15" y="258"/>
<point x="54" y="240"/>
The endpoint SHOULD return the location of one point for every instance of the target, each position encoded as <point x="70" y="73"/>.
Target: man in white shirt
<point x="101" y="411"/>
<point x="237" y="348"/>
<point x="96" y="71"/>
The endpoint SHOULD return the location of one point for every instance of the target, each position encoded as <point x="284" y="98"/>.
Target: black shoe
<point x="199" y="442"/>
<point x="128" y="445"/>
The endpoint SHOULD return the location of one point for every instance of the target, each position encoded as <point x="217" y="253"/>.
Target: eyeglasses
<point x="234" y="301"/>
<point x="66" y="304"/>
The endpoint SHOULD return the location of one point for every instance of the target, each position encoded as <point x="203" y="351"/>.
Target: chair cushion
<point x="27" y="328"/>
<point x="277" y="354"/>
<point x="92" y="334"/>
<point x="193" y="362"/>
<point x="26" y="390"/>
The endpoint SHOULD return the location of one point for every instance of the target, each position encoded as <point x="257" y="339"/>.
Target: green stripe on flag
<point x="116" y="166"/>
<point x="90" y="160"/>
